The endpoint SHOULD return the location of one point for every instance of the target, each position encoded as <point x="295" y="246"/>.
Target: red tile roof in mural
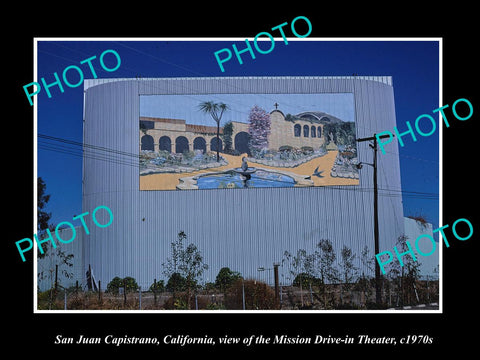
<point x="164" y="120"/>
<point x="202" y="129"/>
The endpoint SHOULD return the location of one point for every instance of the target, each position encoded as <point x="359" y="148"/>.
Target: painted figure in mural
<point x="245" y="174"/>
<point x="244" y="164"/>
<point x="318" y="173"/>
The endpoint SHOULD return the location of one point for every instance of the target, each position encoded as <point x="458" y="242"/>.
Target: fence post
<point x="99" y="291"/>
<point x="155" y="292"/>
<point x="124" y="292"/>
<point x="65" y="300"/>
<point x="140" y="297"/>
<point x="281" y="296"/>
<point x="243" y="294"/>
<point x="275" y="276"/>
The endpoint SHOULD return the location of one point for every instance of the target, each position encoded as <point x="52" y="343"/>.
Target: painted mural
<point x="237" y="141"/>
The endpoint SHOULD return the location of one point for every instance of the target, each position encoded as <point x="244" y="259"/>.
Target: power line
<point x="95" y="147"/>
<point x="219" y="80"/>
<point x="79" y="149"/>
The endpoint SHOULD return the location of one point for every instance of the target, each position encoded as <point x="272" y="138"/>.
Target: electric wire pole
<point x="378" y="278"/>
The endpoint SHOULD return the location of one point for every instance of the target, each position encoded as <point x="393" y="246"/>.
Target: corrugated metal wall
<point x="241" y="229"/>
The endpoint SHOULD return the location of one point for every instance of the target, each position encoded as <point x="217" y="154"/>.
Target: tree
<point x="216" y="111"/>
<point x="410" y="271"/>
<point x="301" y="263"/>
<point x="143" y="128"/>
<point x="225" y="279"/>
<point x="130" y="284"/>
<point x="368" y="263"/>
<point x="301" y="268"/>
<point x="43" y="216"/>
<point x="158" y="286"/>
<point x="256" y="294"/>
<point x="305" y="280"/>
<point x="171" y="266"/>
<point x="54" y="258"/>
<point x="176" y="282"/>
<point x="227" y="136"/>
<point x="259" y="129"/>
<point x="186" y="261"/>
<point x="343" y="133"/>
<point x="192" y="267"/>
<point x="348" y="267"/>
<point x="406" y="276"/>
<point x="326" y="258"/>
<point x="116" y="283"/>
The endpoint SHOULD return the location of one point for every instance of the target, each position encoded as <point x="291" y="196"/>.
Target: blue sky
<point x="185" y="107"/>
<point x="413" y="66"/>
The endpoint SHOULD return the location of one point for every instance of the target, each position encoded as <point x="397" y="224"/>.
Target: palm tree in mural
<point x="216" y="111"/>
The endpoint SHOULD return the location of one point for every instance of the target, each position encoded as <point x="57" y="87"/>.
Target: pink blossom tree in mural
<point x="259" y="129"/>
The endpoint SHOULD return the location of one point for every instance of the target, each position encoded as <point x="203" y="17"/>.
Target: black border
<point x="457" y="28"/>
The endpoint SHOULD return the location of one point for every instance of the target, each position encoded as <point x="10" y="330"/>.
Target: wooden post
<point x="89" y="278"/>
<point x="99" y="291"/>
<point x="155" y="292"/>
<point x="124" y="292"/>
<point x="140" y="297"/>
<point x="277" y="297"/>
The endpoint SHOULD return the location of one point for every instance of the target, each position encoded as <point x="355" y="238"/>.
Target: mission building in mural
<point x="256" y="147"/>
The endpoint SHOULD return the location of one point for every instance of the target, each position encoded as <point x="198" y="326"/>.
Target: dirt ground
<point x="325" y="163"/>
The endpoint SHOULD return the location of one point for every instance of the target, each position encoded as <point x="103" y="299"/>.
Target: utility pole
<point x="378" y="278"/>
<point x="275" y="273"/>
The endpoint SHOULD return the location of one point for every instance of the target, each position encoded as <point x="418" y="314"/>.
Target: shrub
<point x="176" y="282"/>
<point x="231" y="152"/>
<point x="131" y="284"/>
<point x="306" y="280"/>
<point x="258" y="296"/>
<point x="306" y="150"/>
<point x="213" y="306"/>
<point x="209" y="286"/>
<point x="116" y="283"/>
<point x="180" y="302"/>
<point x="159" y="286"/>
<point x="285" y="148"/>
<point x="188" y="155"/>
<point x="46" y="300"/>
<point x="225" y="278"/>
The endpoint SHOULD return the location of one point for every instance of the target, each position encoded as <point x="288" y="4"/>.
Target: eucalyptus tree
<point x="186" y="261"/>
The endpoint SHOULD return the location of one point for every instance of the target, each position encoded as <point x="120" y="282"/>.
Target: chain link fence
<point x="243" y="294"/>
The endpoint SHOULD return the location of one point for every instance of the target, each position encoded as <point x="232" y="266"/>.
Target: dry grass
<point x="258" y="296"/>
